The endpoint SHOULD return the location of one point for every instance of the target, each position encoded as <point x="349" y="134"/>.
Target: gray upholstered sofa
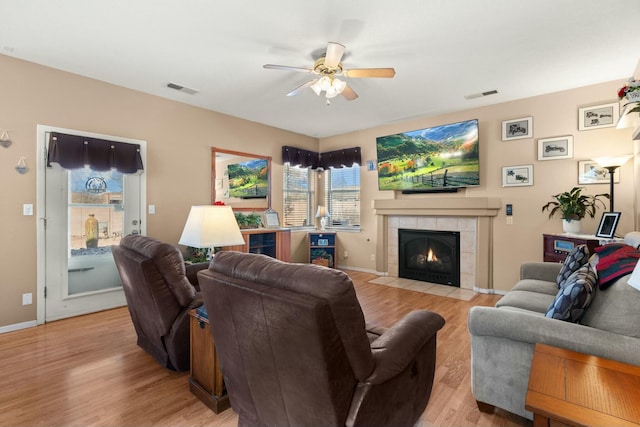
<point x="503" y="337"/>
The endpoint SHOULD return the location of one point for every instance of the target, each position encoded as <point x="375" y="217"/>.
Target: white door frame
<point x="40" y="201"/>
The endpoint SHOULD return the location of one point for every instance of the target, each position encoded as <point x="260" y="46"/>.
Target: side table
<point x="206" y="380"/>
<point x="582" y="390"/>
<point x="558" y="246"/>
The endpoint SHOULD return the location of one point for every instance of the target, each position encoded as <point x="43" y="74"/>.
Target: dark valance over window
<point x="310" y="159"/>
<point x="74" y="152"/>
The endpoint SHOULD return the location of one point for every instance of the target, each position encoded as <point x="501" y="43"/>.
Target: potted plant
<point x="573" y="205"/>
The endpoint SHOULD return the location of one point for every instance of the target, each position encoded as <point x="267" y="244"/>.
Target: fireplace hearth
<point x="429" y="256"/>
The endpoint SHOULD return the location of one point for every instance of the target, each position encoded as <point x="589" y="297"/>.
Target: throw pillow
<point x="576" y="259"/>
<point x="614" y="261"/>
<point x="573" y="299"/>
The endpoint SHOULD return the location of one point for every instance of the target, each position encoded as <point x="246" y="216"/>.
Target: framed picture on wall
<point x="557" y="148"/>
<point x="517" y="176"/>
<point x="598" y="116"/>
<point x="608" y="225"/>
<point x="590" y="172"/>
<point x="517" y="128"/>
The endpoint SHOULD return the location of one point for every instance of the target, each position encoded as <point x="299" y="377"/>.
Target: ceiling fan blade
<point x="333" y="55"/>
<point x="287" y="68"/>
<point x="349" y="94"/>
<point x="301" y="88"/>
<point x="370" y="72"/>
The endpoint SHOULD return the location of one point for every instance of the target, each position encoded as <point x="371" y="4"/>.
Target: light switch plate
<point x="27" y="209"/>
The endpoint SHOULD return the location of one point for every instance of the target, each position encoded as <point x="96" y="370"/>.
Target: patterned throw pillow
<point x="576" y="259"/>
<point x="614" y="261"/>
<point x="575" y="296"/>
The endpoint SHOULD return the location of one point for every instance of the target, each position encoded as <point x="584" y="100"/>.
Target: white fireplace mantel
<point x="482" y="209"/>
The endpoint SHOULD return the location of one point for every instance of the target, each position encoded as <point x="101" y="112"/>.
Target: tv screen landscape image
<point x="440" y="157"/>
<point x="249" y="180"/>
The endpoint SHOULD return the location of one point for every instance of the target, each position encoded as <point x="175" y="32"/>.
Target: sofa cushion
<point x="615" y="260"/>
<point x="531" y="301"/>
<point x="574" y="260"/>
<point x="534" y="285"/>
<point x="574" y="296"/>
<point x="615" y="309"/>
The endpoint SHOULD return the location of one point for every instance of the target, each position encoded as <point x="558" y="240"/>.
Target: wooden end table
<point x="581" y="390"/>
<point x="206" y="379"/>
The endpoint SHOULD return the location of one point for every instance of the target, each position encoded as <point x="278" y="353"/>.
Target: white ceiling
<point x="442" y="50"/>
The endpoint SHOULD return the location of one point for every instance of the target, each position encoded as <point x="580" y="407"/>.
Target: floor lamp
<point x="611" y="164"/>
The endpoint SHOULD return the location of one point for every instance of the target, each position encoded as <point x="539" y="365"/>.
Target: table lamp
<point x="611" y="164"/>
<point x="322" y="213"/>
<point x="211" y="227"/>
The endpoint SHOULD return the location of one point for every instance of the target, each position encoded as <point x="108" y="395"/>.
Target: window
<point x="298" y="196"/>
<point x="342" y="196"/>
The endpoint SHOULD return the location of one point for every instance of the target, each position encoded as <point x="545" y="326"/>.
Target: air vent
<point x="481" y="94"/>
<point x="182" y="88"/>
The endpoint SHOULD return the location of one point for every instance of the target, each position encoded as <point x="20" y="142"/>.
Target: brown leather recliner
<point x="159" y="297"/>
<point x="294" y="349"/>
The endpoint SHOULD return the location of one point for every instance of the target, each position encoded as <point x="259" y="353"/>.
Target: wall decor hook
<point x="5" y="141"/>
<point x="22" y="165"/>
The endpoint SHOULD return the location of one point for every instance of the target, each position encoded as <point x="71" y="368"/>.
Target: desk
<point x="581" y="390"/>
<point x="206" y="379"/>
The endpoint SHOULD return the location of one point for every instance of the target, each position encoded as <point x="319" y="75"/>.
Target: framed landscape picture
<point x="560" y="147"/>
<point x="590" y="172"/>
<point x="517" y="176"/>
<point x="598" y="116"/>
<point x="517" y="128"/>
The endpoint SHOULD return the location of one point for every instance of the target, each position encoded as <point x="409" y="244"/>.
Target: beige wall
<point x="553" y="115"/>
<point x="179" y="138"/>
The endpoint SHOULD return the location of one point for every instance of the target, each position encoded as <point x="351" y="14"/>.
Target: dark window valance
<point x="311" y="159"/>
<point x="74" y="152"/>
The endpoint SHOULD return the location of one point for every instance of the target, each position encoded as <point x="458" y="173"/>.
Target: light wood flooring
<point x="88" y="371"/>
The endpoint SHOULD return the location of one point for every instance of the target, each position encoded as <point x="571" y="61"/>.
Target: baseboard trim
<point x="363" y="270"/>
<point x="489" y="291"/>
<point x="17" y="326"/>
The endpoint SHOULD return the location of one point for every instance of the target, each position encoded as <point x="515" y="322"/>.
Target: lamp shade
<point x="608" y="162"/>
<point x="211" y="226"/>
<point x="322" y="212"/>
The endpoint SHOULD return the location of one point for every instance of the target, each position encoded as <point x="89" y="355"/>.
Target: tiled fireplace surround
<point x="471" y="216"/>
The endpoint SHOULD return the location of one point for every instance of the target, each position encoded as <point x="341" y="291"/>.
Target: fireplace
<point x="430" y="256"/>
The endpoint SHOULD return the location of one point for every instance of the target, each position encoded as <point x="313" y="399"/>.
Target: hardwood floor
<point x="89" y="371"/>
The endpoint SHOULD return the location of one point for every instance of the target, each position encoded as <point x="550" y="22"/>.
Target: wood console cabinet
<point x="323" y="248"/>
<point x="206" y="380"/>
<point x="558" y="246"/>
<point x="275" y="243"/>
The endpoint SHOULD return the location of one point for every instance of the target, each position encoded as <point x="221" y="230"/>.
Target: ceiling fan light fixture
<point x="316" y="87"/>
<point x="339" y="85"/>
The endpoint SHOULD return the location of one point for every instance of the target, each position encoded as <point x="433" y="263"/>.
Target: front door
<point x="85" y="212"/>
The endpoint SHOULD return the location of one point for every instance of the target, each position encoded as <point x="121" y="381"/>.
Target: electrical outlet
<point x="509" y="220"/>
<point x="152" y="209"/>
<point x="373" y="257"/>
<point x="27" y="299"/>
<point x="346" y="255"/>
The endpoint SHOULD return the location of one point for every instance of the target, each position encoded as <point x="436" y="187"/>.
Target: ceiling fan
<point x="327" y="68"/>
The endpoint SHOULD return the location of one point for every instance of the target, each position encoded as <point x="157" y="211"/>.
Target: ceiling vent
<point x="182" y="88"/>
<point x="481" y="94"/>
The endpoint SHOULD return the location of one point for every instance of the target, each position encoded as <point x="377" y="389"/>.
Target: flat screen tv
<point x="249" y="180"/>
<point x="440" y="158"/>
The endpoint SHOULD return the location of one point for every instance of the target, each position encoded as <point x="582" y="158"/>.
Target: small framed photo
<point x="270" y="219"/>
<point x="608" y="225"/>
<point x="590" y="172"/>
<point x="557" y="148"/>
<point x="517" y="128"/>
<point x="517" y="176"/>
<point x="598" y="116"/>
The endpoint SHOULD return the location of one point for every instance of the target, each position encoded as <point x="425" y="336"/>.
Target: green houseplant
<point x="574" y="206"/>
